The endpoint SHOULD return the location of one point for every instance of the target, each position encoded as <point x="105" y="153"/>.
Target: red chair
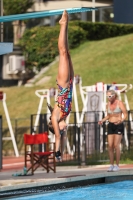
<point x="34" y="157"/>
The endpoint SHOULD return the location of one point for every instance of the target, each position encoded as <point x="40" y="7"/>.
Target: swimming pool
<point x="113" y="191"/>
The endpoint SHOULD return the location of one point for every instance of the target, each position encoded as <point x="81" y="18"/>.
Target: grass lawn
<point x="107" y="61"/>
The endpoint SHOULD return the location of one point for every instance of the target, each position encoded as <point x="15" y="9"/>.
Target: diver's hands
<point x="100" y="122"/>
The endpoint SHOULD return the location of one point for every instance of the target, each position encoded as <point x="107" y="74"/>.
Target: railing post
<point x="15" y="129"/>
<point x="78" y="145"/>
<point x="83" y="155"/>
<point x="45" y="125"/>
<point x="129" y="130"/>
<point x="75" y="131"/>
<point x="31" y="124"/>
<point x="104" y="138"/>
<point x="40" y="123"/>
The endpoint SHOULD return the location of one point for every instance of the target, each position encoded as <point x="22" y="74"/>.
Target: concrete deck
<point x="64" y="177"/>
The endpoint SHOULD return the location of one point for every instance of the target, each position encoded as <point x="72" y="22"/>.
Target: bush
<point x="76" y="36"/>
<point x="98" y="31"/>
<point x="40" y="44"/>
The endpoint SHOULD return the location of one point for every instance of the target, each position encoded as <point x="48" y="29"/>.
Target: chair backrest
<point x="36" y="139"/>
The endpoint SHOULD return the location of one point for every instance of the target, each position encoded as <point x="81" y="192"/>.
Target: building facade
<point x="123" y="11"/>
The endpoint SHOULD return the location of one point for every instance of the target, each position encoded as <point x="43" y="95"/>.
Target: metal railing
<point x="86" y="143"/>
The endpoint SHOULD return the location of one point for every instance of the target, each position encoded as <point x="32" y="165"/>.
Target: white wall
<point x="52" y="5"/>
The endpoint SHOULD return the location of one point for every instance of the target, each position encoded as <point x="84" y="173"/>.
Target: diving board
<point x="43" y="14"/>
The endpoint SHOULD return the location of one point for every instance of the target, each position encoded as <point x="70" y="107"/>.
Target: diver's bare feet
<point x="64" y="18"/>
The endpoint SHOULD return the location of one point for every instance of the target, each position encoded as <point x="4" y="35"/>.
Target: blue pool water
<point x="113" y="191"/>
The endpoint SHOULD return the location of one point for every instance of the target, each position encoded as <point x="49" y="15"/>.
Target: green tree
<point x="12" y="7"/>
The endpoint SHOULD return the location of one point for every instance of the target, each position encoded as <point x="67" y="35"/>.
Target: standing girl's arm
<point x="104" y="119"/>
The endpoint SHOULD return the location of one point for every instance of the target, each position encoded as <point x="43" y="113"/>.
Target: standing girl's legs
<point x="63" y="76"/>
<point x="117" y="141"/>
<point x="111" y="148"/>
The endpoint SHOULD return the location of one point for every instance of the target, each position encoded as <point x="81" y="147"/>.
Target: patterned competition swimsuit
<point x="64" y="99"/>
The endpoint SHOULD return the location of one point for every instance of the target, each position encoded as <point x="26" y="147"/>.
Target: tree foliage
<point x="12" y="7"/>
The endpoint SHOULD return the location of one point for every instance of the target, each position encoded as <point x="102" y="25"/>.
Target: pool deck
<point x="63" y="175"/>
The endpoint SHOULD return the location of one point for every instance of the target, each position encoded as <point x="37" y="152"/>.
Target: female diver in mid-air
<point x="62" y="107"/>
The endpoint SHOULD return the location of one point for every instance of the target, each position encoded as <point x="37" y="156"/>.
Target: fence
<point x="86" y="143"/>
<point x="20" y="126"/>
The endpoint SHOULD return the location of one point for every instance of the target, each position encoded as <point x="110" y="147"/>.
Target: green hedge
<point x="99" y="31"/>
<point x="39" y="44"/>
